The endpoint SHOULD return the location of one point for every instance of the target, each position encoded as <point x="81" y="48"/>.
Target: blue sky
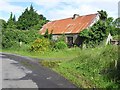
<point x="58" y="9"/>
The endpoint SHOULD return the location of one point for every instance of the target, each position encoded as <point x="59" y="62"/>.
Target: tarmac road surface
<point x="24" y="72"/>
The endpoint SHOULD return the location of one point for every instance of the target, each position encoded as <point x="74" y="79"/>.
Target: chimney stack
<point x="75" y="16"/>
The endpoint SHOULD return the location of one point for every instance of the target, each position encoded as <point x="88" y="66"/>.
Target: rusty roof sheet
<point x="68" y="25"/>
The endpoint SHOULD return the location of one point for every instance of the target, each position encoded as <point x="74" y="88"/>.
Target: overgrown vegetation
<point x="94" y="35"/>
<point x="60" y="45"/>
<point x="92" y="68"/>
<point x="23" y="32"/>
<point x="29" y="19"/>
<point x="12" y="38"/>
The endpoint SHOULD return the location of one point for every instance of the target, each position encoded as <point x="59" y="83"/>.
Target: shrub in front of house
<point x="60" y="45"/>
<point x="40" y="45"/>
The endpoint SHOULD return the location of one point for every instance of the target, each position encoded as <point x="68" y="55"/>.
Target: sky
<point x="58" y="9"/>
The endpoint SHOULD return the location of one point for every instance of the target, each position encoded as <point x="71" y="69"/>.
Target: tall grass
<point x="92" y="68"/>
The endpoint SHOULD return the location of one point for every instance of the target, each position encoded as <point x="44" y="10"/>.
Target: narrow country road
<point x="24" y="72"/>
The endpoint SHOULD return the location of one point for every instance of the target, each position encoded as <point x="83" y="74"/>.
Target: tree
<point x="103" y="15"/>
<point x="14" y="18"/>
<point x="46" y="35"/>
<point x="2" y="24"/>
<point x="117" y="22"/>
<point x="30" y="19"/>
<point x="2" y="27"/>
<point x="99" y="31"/>
<point x="23" y="21"/>
<point x="11" y="23"/>
<point x="51" y="35"/>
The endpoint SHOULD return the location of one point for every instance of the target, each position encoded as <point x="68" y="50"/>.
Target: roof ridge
<point x="71" y="17"/>
<point x="90" y="14"/>
<point x="61" y="19"/>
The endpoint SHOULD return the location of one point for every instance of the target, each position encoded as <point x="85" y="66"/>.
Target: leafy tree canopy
<point x="30" y="19"/>
<point x="2" y="24"/>
<point x="99" y="31"/>
<point x="47" y="35"/>
<point x="103" y="15"/>
<point x="117" y="22"/>
<point x="11" y="23"/>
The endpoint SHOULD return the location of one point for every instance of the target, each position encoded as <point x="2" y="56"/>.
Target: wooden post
<point x="108" y="39"/>
<point x="20" y="43"/>
<point x="116" y="64"/>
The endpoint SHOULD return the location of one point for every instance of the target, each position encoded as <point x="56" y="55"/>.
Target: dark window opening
<point x="70" y="41"/>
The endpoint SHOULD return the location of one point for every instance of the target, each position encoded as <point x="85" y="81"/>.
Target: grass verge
<point x="48" y="55"/>
<point x="92" y="68"/>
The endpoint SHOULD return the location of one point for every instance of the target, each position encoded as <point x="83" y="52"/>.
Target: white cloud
<point x="83" y="7"/>
<point x="58" y="1"/>
<point x="7" y="7"/>
<point x="47" y="3"/>
<point x="57" y="9"/>
<point x="53" y="3"/>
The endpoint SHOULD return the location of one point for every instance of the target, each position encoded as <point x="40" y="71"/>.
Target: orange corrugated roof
<point x="68" y="25"/>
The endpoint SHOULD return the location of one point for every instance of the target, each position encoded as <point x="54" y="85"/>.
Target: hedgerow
<point x="12" y="38"/>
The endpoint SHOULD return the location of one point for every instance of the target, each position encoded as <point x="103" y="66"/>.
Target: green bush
<point x="9" y="44"/>
<point x="12" y="37"/>
<point x="60" y="45"/>
<point x="94" y="67"/>
<point x="61" y="38"/>
<point x="40" y="45"/>
<point x="115" y="32"/>
<point x="8" y="39"/>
